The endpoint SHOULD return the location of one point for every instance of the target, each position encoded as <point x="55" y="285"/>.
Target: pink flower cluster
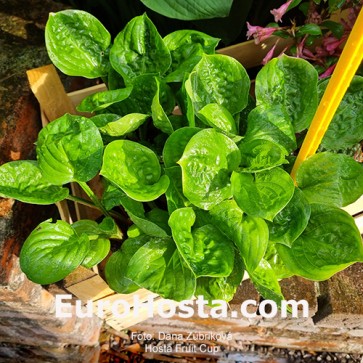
<point x="328" y="47"/>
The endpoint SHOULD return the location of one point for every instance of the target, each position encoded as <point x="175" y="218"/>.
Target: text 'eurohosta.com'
<point x="200" y="307"/>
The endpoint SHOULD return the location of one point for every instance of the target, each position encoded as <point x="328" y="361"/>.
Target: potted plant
<point x="198" y="164"/>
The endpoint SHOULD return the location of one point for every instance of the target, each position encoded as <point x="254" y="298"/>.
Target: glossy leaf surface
<point x="205" y="249"/>
<point x="334" y="179"/>
<point x="330" y="243"/>
<point x="291" y="83"/>
<point x="186" y="48"/>
<point x="135" y="169"/>
<point x="23" y="180"/>
<point x="69" y="149"/>
<point x="77" y="43"/>
<point x="52" y="251"/>
<point x="219" y="79"/>
<point x="139" y="49"/>
<point x="263" y="195"/>
<point x="207" y="163"/>
<point x="158" y="266"/>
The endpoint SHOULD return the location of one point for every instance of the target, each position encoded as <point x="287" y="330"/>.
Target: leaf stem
<point x="89" y="204"/>
<point x="97" y="203"/>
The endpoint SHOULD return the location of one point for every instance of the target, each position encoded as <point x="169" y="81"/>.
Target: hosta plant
<point x="198" y="163"/>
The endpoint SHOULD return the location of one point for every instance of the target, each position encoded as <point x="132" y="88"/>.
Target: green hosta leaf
<point x="98" y="235"/>
<point x="185" y="101"/>
<point x="176" y="143"/>
<point x="219" y="79"/>
<point x="186" y="48"/>
<point x="275" y="261"/>
<point x="52" y="251"/>
<point x="346" y="128"/>
<point x="330" y="243"/>
<point x="174" y="195"/>
<point x="124" y="125"/>
<point x="265" y="281"/>
<point x="77" y="43"/>
<point x="99" y="249"/>
<point x="207" y="163"/>
<point x="253" y="242"/>
<point x="114" y="196"/>
<point x="158" y="267"/>
<point x="106" y="229"/>
<point x="227" y="217"/>
<point x="115" y="269"/>
<point x="206" y="250"/>
<point x="160" y="118"/>
<point x="217" y="116"/>
<point x="139" y="49"/>
<point x="159" y="217"/>
<point x="140" y="100"/>
<point x="259" y="155"/>
<point x="328" y="178"/>
<point x="190" y="9"/>
<point x="104" y="118"/>
<point x="263" y="195"/>
<point x="221" y="288"/>
<point x="291" y="83"/>
<point x="111" y="196"/>
<point x="22" y="180"/>
<point x="69" y="149"/>
<point x="135" y="169"/>
<point x="291" y="221"/>
<point x="101" y="100"/>
<point x="272" y="123"/>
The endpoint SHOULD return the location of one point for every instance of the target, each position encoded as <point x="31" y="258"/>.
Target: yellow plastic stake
<point x="344" y="71"/>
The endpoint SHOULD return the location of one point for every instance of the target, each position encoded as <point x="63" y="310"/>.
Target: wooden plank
<point x="132" y="317"/>
<point x="355" y="208"/>
<point x="359" y="222"/>
<point x="94" y="288"/>
<point x="49" y="91"/>
<point x="77" y="96"/>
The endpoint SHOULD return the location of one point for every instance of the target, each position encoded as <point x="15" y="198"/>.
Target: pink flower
<point x="269" y="55"/>
<point x="328" y="72"/>
<point x="331" y="44"/>
<point x="280" y="12"/>
<point x="259" y="33"/>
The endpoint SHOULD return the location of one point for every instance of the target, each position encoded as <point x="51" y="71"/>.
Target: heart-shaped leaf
<point x="291" y="221"/>
<point x="139" y="49"/>
<point x="219" y="79"/>
<point x="23" y="181"/>
<point x="334" y="179"/>
<point x="135" y="169"/>
<point x="263" y="195"/>
<point x="186" y="48"/>
<point x="158" y="266"/>
<point x="291" y="83"/>
<point x="77" y="43"/>
<point x="330" y="243"/>
<point x="205" y="249"/>
<point x="52" y="251"/>
<point x="207" y="164"/>
<point x="69" y="149"/>
<point x="221" y="288"/>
